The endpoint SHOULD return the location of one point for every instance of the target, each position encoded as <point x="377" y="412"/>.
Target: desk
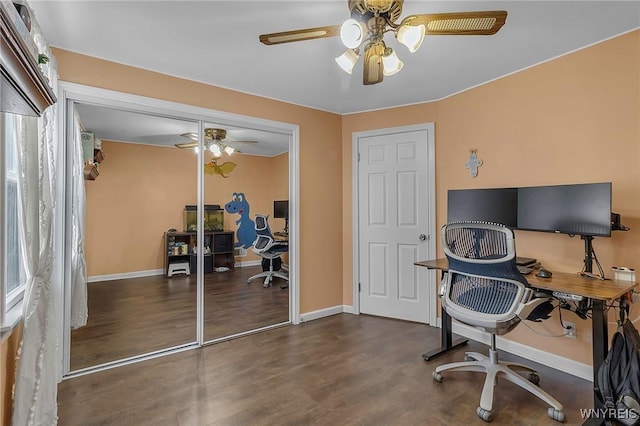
<point x="598" y="291"/>
<point x="281" y="236"/>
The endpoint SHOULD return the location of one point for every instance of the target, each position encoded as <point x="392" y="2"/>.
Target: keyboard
<point x="525" y="270"/>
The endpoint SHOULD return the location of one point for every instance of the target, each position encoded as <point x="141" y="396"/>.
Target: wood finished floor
<point x="141" y="315"/>
<point x="340" y="370"/>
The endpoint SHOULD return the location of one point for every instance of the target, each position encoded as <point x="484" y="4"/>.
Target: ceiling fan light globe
<point x="347" y="60"/>
<point x="215" y="150"/>
<point x="229" y="150"/>
<point x="411" y="36"/>
<point x="351" y="33"/>
<point x="391" y="63"/>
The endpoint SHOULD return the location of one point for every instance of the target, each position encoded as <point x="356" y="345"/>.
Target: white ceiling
<point x="132" y="127"/>
<point x="216" y="42"/>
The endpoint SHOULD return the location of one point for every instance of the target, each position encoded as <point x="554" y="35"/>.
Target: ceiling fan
<point x="214" y="141"/>
<point x="372" y="19"/>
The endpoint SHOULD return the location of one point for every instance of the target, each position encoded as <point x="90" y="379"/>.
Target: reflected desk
<point x="600" y="292"/>
<point x="281" y="236"/>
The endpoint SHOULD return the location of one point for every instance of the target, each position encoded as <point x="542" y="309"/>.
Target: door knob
<point x="422" y="237"/>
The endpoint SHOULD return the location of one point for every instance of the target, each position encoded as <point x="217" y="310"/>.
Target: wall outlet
<point x="570" y="329"/>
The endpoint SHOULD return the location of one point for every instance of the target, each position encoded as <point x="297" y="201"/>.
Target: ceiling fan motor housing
<point x="363" y="10"/>
<point x="216" y="134"/>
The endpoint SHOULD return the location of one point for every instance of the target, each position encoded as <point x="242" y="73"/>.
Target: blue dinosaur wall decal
<point x="246" y="233"/>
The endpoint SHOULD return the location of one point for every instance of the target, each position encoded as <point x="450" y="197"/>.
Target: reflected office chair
<point x="269" y="248"/>
<point x="483" y="288"/>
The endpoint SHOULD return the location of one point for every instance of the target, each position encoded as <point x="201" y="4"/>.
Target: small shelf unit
<point x="220" y="244"/>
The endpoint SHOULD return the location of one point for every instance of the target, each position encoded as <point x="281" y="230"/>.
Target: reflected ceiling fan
<point x="214" y="140"/>
<point x="372" y="19"/>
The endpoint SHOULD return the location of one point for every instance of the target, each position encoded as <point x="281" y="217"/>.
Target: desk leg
<point x="600" y="342"/>
<point x="600" y="345"/>
<point x="447" y="342"/>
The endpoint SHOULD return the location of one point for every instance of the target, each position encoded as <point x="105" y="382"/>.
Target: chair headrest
<point x="261" y="222"/>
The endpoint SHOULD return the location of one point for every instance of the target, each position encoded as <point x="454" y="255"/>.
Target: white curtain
<point x="78" y="264"/>
<point x="35" y="390"/>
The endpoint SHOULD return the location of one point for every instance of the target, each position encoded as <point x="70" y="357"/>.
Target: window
<point x="13" y="274"/>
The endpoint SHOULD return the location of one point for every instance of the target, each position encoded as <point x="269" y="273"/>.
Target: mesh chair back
<point x="262" y="225"/>
<point x="481" y="248"/>
<point x="264" y="238"/>
<point x="484" y="287"/>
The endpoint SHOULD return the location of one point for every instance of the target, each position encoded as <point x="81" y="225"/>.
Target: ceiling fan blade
<point x="191" y="135"/>
<point x="460" y="23"/>
<point x="187" y="145"/>
<point x="299" y="35"/>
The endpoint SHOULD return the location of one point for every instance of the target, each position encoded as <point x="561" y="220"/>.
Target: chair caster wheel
<point x="556" y="415"/>
<point x="437" y="377"/>
<point x="534" y="378"/>
<point x="484" y="414"/>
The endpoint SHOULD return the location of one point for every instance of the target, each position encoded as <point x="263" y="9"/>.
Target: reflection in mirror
<point x="134" y="195"/>
<point x="245" y="171"/>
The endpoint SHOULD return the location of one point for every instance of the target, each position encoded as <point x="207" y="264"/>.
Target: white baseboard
<point x="248" y="263"/>
<point x="125" y="275"/>
<point x="326" y="312"/>
<point x="567" y="365"/>
<point x="348" y="309"/>
<point x="153" y="272"/>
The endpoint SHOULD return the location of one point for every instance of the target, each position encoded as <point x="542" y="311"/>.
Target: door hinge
<point x="359" y="287"/>
<point x="358" y="157"/>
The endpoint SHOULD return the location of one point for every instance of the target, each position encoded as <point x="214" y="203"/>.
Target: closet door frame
<point x="69" y="94"/>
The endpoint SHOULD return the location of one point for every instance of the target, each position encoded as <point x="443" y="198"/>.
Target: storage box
<point x="623" y="273"/>
<point x="213" y="218"/>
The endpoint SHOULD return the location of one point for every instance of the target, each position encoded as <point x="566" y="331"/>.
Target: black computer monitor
<point x="281" y="209"/>
<point x="579" y="209"/>
<point x="498" y="205"/>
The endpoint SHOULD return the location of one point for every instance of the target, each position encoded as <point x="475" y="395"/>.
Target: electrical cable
<point x="546" y="334"/>
<point x="539" y="333"/>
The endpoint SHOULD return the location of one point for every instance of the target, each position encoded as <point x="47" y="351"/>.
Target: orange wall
<point x="571" y="120"/>
<point x="320" y="158"/>
<point x="141" y="193"/>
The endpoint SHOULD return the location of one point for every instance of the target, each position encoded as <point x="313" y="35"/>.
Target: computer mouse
<point x="544" y="273"/>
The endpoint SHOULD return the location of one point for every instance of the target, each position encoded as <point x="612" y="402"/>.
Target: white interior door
<point x="395" y="222"/>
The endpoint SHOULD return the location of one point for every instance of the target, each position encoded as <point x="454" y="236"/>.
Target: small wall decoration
<point x="213" y="168"/>
<point x="473" y="163"/>
<point x="246" y="233"/>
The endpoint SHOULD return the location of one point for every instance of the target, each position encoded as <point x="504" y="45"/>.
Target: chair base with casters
<point x="268" y="275"/>
<point x="494" y="368"/>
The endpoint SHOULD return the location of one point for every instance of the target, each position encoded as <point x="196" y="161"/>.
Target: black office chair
<point x="483" y="288"/>
<point x="268" y="248"/>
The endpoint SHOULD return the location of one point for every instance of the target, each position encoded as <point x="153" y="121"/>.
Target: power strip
<point x="567" y="296"/>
